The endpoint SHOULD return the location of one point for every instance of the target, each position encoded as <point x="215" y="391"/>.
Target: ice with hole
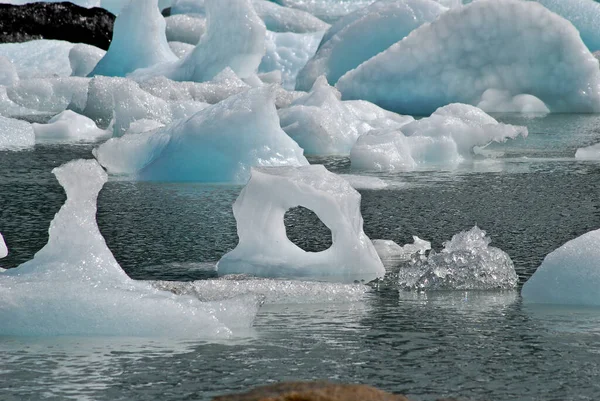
<point x="515" y="46"/>
<point x="69" y="126"/>
<point x="15" y="134"/>
<point x="361" y="35"/>
<point x="389" y="250"/>
<point x="467" y="262"/>
<point x="568" y="275"/>
<point x="324" y="125"/>
<point x="218" y="144"/>
<point x="264" y="249"/>
<point x="74" y="285"/>
<point x="84" y="58"/>
<point x="446" y="138"/>
<point x="591" y="152"/>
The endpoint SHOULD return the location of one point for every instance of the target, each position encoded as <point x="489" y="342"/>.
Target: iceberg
<point x="264" y="249"/>
<point x="15" y="134"/>
<point x="568" y="275"/>
<point x="51" y="95"/>
<point x="8" y="72"/>
<point x="138" y="41"/>
<point x="588" y="153"/>
<point x="500" y="101"/>
<point x="84" y="58"/>
<point x="74" y="285"/>
<point x="361" y="35"/>
<point x="391" y="251"/>
<point x="446" y="138"/>
<point x="515" y="46"/>
<point x="69" y="126"/>
<point x="218" y="144"/>
<point x="39" y="58"/>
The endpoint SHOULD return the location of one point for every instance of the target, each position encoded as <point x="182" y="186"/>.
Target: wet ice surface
<point x="472" y="345"/>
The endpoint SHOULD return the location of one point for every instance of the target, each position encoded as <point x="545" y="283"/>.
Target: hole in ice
<point x="306" y="230"/>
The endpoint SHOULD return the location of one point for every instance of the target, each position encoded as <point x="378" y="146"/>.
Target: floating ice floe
<point x="185" y="28"/>
<point x="264" y="249"/>
<point x="515" y="46"/>
<point x="74" y="286"/>
<point x="39" y="58"/>
<point x="445" y="138"/>
<point x="138" y="41"/>
<point x="364" y="181"/>
<point x="84" y="58"/>
<point x="15" y="134"/>
<point x="588" y="153"/>
<point x="218" y="144"/>
<point x="3" y="248"/>
<point x="69" y="126"/>
<point x="568" y="275"/>
<point x="467" y="262"/>
<point x="364" y="33"/>
<point x="391" y="251"/>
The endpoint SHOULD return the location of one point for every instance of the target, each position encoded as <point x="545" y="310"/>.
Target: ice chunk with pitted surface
<point x="264" y="248"/>
<point x="568" y="275"/>
<point x="15" y="134"/>
<point x="588" y="153"/>
<point x="69" y="126"/>
<point x="510" y="45"/>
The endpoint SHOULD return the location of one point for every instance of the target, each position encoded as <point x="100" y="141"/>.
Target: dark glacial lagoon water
<point x="531" y="197"/>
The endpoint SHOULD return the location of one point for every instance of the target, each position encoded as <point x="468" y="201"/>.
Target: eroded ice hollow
<point x="264" y="248"/>
<point x="516" y="47"/>
<point x="74" y="285"/>
<point x="568" y="275"/>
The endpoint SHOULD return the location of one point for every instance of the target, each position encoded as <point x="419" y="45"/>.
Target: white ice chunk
<point x="185" y="28"/>
<point x="389" y="250"/>
<point x="364" y="181"/>
<point x="69" y="126"/>
<point x="83" y="58"/>
<point x="48" y="94"/>
<point x="568" y="275"/>
<point x="510" y="45"/>
<point x="264" y="248"/>
<point x="588" y="153"/>
<point x="361" y="35"/>
<point x="500" y="101"/>
<point x="3" y="248"/>
<point x="74" y="286"/>
<point x="8" y="72"/>
<point x="138" y="41"/>
<point x="39" y="58"/>
<point x="446" y="138"/>
<point x="219" y="144"/>
<point x="15" y="134"/>
<point x="467" y="262"/>
<point x="285" y="19"/>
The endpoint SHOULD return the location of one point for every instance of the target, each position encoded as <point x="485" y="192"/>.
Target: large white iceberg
<point x="218" y="144"/>
<point x="568" y="275"/>
<point x="264" y="248"/>
<point x="361" y="35"/>
<point x="15" y="134"/>
<point x="69" y="126"/>
<point x="39" y="58"/>
<point x="591" y="152"/>
<point x="139" y="40"/>
<point x="510" y="45"/>
<point x="84" y="58"/>
<point x="74" y="286"/>
<point x="446" y="138"/>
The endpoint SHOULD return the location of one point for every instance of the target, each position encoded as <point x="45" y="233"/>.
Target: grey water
<point x="530" y="195"/>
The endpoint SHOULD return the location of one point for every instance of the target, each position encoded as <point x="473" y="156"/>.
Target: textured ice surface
<point x="39" y="58"/>
<point x="219" y="144"/>
<point x="327" y="10"/>
<point x="68" y="126"/>
<point x="185" y="28"/>
<point x="445" y="138"/>
<point x="361" y="35"/>
<point x="467" y="262"/>
<point x="15" y="134"/>
<point x="8" y="72"/>
<point x="48" y="94"/>
<point x="74" y="286"/>
<point x="501" y="101"/>
<point x="285" y="19"/>
<point x="510" y="45"/>
<point x="588" y="153"/>
<point x="264" y="248"/>
<point x="138" y="41"/>
<point x="181" y="49"/>
<point x="389" y="250"/>
<point x="288" y="52"/>
<point x="568" y="275"/>
<point x="324" y="125"/>
<point x="83" y="58"/>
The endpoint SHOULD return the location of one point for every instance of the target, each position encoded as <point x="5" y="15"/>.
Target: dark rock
<point x="60" y="21"/>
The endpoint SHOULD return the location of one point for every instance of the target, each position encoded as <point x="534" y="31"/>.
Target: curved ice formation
<point x="324" y="125"/>
<point x="217" y="144"/>
<point x="568" y="275"/>
<point x="74" y="286"/>
<point x="500" y="101"/>
<point x="69" y="126"/>
<point x="138" y="41"/>
<point x="48" y="94"/>
<point x="15" y="134"/>
<point x="510" y="45"/>
<point x="181" y="49"/>
<point x="447" y="137"/>
<point x="185" y="28"/>
<point x="264" y="248"/>
<point x="588" y="153"/>
<point x="467" y="262"/>
<point x="285" y="19"/>
<point x="39" y="58"/>
<point x="389" y="250"/>
<point x="361" y="35"/>
<point x="8" y="72"/>
<point x="3" y="248"/>
<point x="83" y="58"/>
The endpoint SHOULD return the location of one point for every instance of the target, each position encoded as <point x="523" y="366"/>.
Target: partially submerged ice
<point x="15" y="134"/>
<point x="509" y="45"/>
<point x="467" y="262"/>
<point x="265" y="250"/>
<point x="568" y="275"/>
<point x="391" y="251"/>
<point x="69" y="126"/>
<point x="218" y="144"/>
<point x="445" y="138"/>
<point x="588" y="153"/>
<point x="74" y="285"/>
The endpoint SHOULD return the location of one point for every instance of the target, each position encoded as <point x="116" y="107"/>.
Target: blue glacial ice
<point x="509" y="45"/>
<point x="444" y="139"/>
<point x="364" y="33"/>
<point x="218" y="144"/>
<point x="591" y="152"/>
<point x="568" y="275"/>
<point x="69" y="126"/>
<point x="15" y="134"/>
<point x="264" y="249"/>
<point x="74" y="286"/>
